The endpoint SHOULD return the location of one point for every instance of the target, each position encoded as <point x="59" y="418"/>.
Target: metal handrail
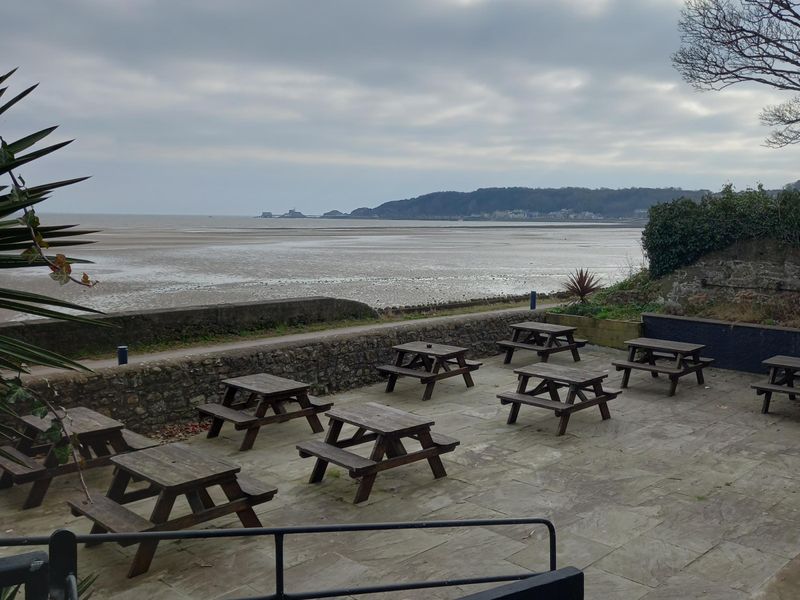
<point x="279" y="534"/>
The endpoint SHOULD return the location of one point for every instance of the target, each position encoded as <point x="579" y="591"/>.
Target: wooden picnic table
<point x="584" y="389"/>
<point x="783" y="371"/>
<point x="34" y="458"/>
<point x="262" y="392"/>
<point x="170" y="471"/>
<point x="429" y="363"/>
<point x="674" y="359"/>
<point x="543" y="338"/>
<point x="387" y="427"/>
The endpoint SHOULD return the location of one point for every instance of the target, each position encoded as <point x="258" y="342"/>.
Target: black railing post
<point x="63" y="565"/>
<point x="279" y="592"/>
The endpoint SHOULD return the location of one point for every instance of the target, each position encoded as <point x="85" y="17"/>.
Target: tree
<point x="25" y="242"/>
<point x="725" y="42"/>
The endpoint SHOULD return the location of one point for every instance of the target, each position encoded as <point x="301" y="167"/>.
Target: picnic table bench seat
<point x="357" y="465"/>
<point x="663" y="357"/>
<point x="423" y="376"/>
<point x="472" y="365"/>
<point x="110" y="515"/>
<point x="136" y="441"/>
<point x="557" y="406"/>
<point x="20" y="466"/>
<point x="763" y="388"/>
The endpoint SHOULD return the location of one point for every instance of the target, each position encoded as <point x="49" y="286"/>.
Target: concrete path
<point x="696" y="496"/>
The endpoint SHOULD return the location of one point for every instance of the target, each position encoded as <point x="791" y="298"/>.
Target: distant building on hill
<point x="266" y="215"/>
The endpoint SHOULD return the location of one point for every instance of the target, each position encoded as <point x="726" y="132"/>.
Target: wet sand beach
<point x="145" y="262"/>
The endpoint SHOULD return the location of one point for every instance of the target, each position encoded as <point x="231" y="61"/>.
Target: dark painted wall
<point x="738" y="346"/>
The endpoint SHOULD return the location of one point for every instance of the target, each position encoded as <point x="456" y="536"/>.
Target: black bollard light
<point x="122" y="355"/>
<point x="533" y="300"/>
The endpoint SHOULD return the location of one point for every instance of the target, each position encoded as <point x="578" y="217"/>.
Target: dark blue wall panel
<point x="736" y="346"/>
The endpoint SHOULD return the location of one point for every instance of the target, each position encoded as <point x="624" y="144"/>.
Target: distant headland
<point x="521" y="204"/>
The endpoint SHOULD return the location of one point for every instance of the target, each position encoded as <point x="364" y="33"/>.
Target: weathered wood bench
<point x="387" y="427"/>
<point x="171" y="471"/>
<point x="429" y="363"/>
<point x="783" y="371"/>
<point x="31" y="461"/>
<point x="543" y="352"/>
<point x="767" y="389"/>
<point x="585" y="389"/>
<point x="681" y="359"/>
<point x="262" y="392"/>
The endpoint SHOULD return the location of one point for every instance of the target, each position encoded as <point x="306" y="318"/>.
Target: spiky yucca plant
<point x="25" y="242"/>
<point x="581" y="283"/>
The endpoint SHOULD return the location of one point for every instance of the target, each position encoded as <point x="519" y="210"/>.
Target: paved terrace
<point x="694" y="496"/>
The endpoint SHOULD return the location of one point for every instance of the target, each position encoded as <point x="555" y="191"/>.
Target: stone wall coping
<point x="249" y="347"/>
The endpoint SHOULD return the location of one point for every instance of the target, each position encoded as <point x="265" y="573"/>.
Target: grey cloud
<point x="338" y="104"/>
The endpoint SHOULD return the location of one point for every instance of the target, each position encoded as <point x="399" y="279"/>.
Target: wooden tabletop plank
<point x="379" y="418"/>
<point x="664" y="345"/>
<point x="543" y="327"/>
<point x="79" y="421"/>
<point x="267" y="385"/>
<point x="783" y="361"/>
<point x="431" y="349"/>
<point x="173" y="466"/>
<point x="561" y="373"/>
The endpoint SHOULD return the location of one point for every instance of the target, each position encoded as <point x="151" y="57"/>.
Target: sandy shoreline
<point x="157" y="262"/>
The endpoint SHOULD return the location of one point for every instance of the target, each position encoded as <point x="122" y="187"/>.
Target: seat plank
<point x="423" y="376"/>
<point x="22" y="467"/>
<point x="518" y="398"/>
<point x="136" y="441"/>
<point x="109" y="515"/>
<point x="356" y="464"/>
<point x="624" y="364"/>
<point x="762" y="388"/>
<point x="228" y="414"/>
<point x="257" y="490"/>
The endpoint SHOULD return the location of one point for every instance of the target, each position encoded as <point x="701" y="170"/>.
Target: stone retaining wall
<point x="136" y="328"/>
<point x="149" y="395"/>
<point x="753" y="270"/>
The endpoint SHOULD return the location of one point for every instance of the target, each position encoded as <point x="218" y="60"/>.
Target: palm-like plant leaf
<point x="22" y="354"/>
<point x="581" y="283"/>
<point x="29" y="140"/>
<point x="18" y="162"/>
<point x="17" y="98"/>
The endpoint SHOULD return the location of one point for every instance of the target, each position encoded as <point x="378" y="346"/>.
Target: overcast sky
<point x="234" y="107"/>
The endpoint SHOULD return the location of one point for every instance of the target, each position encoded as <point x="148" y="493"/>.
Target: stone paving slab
<point x="695" y="496"/>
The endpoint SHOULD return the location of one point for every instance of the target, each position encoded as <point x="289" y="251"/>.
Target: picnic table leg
<point x="673" y="384"/>
<point x="320" y="465"/>
<point x="40" y="486"/>
<point x="790" y="382"/>
<point x="462" y="363"/>
<point x="365" y="485"/>
<point x="426" y="395"/>
<point x="699" y="371"/>
<point x="765" y="403"/>
<point x="313" y="419"/>
<point x="252" y="432"/>
<point x="247" y="515"/>
<point x="435" y="462"/>
<point x="598" y="391"/>
<point x="216" y="422"/>
<point x="562" y="424"/>
<point x="147" y="549"/>
<point x="574" y="349"/>
<point x="651" y="360"/>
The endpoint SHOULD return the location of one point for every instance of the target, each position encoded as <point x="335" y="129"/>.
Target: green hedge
<point x="680" y="232"/>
